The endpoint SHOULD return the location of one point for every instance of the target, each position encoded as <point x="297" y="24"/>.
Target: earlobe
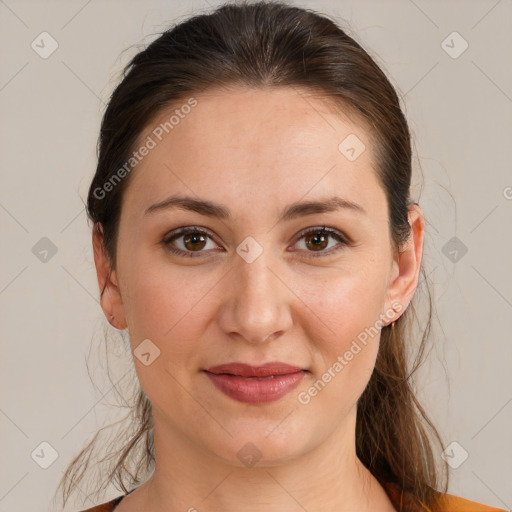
<point x="403" y="287"/>
<point x="110" y="296"/>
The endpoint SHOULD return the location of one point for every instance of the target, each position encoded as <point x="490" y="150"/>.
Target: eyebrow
<point x="292" y="211"/>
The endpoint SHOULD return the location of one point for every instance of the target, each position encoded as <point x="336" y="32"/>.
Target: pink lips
<point x="255" y="384"/>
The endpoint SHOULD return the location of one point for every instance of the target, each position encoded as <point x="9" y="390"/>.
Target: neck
<point x="187" y="478"/>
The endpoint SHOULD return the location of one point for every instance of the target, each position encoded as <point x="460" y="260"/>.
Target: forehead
<point x="269" y="146"/>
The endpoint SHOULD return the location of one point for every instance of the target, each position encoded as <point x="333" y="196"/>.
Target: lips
<point x="255" y="384"/>
<point x="245" y="370"/>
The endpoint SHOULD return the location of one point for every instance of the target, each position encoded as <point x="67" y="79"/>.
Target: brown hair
<point x="272" y="44"/>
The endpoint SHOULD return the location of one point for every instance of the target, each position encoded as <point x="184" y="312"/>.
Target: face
<point x="250" y="286"/>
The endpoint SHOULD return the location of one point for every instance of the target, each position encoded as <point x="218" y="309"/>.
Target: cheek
<point x="158" y="295"/>
<point x="346" y="334"/>
<point x="345" y="304"/>
<point x="168" y="307"/>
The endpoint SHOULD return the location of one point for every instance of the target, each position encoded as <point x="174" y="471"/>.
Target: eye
<point x="317" y="239"/>
<point x="195" y="239"/>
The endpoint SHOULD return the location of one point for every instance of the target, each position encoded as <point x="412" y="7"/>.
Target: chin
<point x="263" y="445"/>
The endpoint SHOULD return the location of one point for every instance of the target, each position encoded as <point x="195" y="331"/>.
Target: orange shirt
<point x="450" y="503"/>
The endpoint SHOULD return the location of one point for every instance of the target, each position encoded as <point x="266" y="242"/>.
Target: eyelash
<point x="192" y="229"/>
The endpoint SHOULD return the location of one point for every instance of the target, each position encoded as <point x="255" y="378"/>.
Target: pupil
<point x="318" y="239"/>
<point x="194" y="239"/>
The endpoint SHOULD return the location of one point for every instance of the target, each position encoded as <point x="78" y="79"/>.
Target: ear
<point x="407" y="265"/>
<point x="110" y="299"/>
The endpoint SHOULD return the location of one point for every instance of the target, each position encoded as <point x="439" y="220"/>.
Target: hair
<point x="272" y="45"/>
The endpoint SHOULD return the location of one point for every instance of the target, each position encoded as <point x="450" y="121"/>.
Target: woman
<point x="255" y="236"/>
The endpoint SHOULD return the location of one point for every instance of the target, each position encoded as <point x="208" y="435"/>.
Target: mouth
<point x="255" y="384"/>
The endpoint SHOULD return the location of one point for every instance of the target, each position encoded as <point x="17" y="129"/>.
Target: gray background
<point x="459" y="111"/>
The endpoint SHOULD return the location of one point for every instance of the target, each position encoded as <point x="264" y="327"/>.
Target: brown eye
<point x="194" y="241"/>
<point x="316" y="240"/>
<point x="191" y="239"/>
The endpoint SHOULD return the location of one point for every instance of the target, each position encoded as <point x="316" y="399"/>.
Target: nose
<point x="257" y="303"/>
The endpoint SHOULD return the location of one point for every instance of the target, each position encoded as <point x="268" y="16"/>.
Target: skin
<point x="256" y="151"/>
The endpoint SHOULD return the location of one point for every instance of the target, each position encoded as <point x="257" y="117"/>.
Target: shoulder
<point x="105" y="507"/>
<point x="447" y="502"/>
<point x="451" y="503"/>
